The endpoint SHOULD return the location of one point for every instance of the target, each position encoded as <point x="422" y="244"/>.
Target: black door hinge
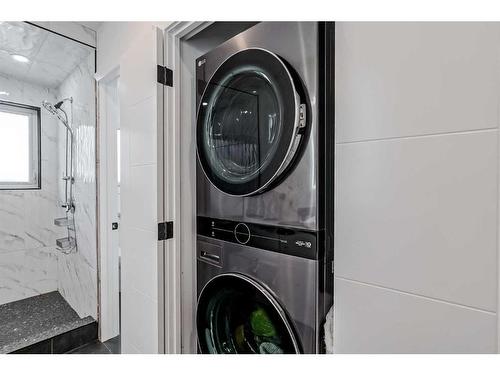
<point x="165" y="230"/>
<point x="165" y="76"/>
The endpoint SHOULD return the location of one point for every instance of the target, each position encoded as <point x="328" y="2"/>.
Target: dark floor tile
<point x="114" y="345"/>
<point x="74" y="339"/>
<point x="93" y="348"/>
<point x="44" y="347"/>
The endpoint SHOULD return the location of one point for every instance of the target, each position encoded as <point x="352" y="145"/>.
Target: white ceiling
<point x="52" y="57"/>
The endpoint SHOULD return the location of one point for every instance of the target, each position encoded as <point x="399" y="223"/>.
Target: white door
<point x="141" y="185"/>
<point x="109" y="201"/>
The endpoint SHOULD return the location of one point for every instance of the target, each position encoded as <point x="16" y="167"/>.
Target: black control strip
<point x="285" y="240"/>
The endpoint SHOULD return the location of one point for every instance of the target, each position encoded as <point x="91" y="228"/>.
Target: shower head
<point x="52" y="107"/>
<point x="60" y="103"/>
<point x="57" y="111"/>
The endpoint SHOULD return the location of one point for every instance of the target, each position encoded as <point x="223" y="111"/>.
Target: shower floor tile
<point x="35" y="319"/>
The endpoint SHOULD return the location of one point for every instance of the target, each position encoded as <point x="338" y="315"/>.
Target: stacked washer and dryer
<point x="265" y="141"/>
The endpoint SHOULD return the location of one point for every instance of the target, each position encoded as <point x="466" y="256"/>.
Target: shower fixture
<point x="67" y="244"/>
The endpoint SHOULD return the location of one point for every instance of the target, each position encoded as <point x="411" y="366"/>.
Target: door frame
<point x="173" y="324"/>
<point x="108" y="303"/>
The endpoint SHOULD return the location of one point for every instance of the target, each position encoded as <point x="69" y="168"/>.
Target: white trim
<point x="108" y="260"/>
<point x="161" y="147"/>
<point x="498" y="244"/>
<point x="173" y="35"/>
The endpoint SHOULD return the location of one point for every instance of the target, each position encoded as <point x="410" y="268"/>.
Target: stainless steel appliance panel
<point x="292" y="280"/>
<point x="294" y="201"/>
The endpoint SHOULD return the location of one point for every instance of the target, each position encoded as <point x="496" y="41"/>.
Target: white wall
<point x="132" y="48"/>
<point x="116" y="38"/>
<point x="417" y="192"/>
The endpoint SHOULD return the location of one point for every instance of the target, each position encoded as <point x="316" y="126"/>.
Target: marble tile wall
<point x="28" y="259"/>
<point x="77" y="273"/>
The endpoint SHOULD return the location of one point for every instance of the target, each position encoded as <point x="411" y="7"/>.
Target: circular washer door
<point x="236" y="314"/>
<point x="250" y="122"/>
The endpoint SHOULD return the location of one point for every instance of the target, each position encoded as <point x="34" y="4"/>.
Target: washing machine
<point x="265" y="141"/>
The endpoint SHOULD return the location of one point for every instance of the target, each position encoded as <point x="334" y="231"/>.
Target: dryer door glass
<point x="237" y="315"/>
<point x="247" y="122"/>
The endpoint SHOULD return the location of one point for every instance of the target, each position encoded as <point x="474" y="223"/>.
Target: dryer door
<point x="238" y="315"/>
<point x="251" y="121"/>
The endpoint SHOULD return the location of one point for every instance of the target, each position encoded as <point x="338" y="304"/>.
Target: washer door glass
<point x="246" y="122"/>
<point x="236" y="315"/>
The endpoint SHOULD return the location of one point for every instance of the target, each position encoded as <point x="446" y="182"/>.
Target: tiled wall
<point x="417" y="192"/>
<point x="77" y="280"/>
<point x="28" y="260"/>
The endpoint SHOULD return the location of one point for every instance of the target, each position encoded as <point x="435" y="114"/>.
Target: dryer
<point x="265" y="138"/>
<point x="253" y="300"/>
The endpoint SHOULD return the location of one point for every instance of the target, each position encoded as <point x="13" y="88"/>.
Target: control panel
<point x="280" y="239"/>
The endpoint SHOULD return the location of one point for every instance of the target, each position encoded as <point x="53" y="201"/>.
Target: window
<point x="19" y="146"/>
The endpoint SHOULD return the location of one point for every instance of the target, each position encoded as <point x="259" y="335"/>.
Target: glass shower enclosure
<point x="48" y="252"/>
